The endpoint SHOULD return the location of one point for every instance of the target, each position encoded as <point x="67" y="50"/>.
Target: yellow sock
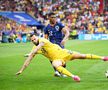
<point x="91" y="56"/>
<point x="64" y="71"/>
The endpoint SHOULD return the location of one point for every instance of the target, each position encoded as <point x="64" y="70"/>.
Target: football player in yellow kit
<point x="58" y="56"/>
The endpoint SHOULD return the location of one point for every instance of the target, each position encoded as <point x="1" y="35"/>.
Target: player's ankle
<point x="73" y="76"/>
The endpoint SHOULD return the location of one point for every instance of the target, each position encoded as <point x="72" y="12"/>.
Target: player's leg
<point x="57" y="73"/>
<point x="64" y="65"/>
<point x="88" y="56"/>
<point x="58" y="64"/>
<point x="92" y="56"/>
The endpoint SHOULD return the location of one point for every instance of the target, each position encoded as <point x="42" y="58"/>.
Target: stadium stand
<point x="81" y="16"/>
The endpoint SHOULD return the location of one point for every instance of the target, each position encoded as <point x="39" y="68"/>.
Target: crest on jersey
<point x="57" y="28"/>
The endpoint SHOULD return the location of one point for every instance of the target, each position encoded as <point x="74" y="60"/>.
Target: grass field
<point x="39" y="74"/>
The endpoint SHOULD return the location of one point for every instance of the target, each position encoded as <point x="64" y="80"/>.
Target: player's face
<point x="34" y="39"/>
<point x="52" y="19"/>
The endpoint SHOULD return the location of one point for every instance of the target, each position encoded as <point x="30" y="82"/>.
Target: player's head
<point x="34" y="39"/>
<point x="52" y="18"/>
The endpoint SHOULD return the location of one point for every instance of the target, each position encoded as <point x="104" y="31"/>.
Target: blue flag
<point x="22" y="18"/>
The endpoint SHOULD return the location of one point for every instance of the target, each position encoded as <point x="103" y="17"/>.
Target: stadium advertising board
<point x="93" y="36"/>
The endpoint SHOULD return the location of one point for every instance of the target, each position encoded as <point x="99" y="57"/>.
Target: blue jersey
<point x="54" y="33"/>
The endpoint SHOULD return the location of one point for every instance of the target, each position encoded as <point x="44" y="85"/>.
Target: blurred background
<point x="86" y="19"/>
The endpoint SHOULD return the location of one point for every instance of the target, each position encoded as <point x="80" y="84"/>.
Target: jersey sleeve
<point x="61" y="25"/>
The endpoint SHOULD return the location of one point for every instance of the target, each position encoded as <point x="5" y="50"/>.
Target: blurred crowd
<point x="81" y="16"/>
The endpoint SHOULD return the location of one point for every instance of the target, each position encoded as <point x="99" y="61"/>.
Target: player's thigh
<point x="57" y="63"/>
<point x="78" y="56"/>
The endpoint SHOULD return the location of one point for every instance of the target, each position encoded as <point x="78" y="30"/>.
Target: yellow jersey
<point x="54" y="51"/>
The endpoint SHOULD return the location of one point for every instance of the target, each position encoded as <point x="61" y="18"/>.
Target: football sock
<point x="91" y="56"/>
<point x="64" y="71"/>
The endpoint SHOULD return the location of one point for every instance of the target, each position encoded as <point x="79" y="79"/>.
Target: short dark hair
<point x="50" y="14"/>
<point x="31" y="34"/>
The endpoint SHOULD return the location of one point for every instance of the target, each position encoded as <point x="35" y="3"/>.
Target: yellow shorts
<point x="66" y="56"/>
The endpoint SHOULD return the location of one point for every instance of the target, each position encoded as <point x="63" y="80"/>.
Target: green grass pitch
<point x="39" y="74"/>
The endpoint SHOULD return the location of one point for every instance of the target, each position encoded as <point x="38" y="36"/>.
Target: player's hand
<point x="19" y="72"/>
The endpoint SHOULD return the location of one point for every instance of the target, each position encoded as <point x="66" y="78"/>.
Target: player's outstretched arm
<point x="65" y="30"/>
<point x="26" y="63"/>
<point x="28" y="60"/>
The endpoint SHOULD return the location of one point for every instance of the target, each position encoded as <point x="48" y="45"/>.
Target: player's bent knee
<point x="57" y="63"/>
